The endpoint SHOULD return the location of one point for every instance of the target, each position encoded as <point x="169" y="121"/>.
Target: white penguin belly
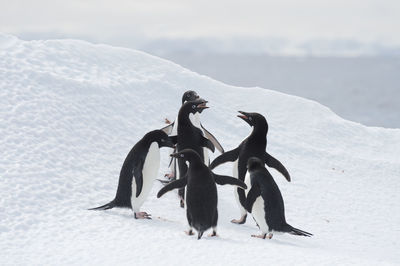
<point x="149" y="173"/>
<point x="235" y="174"/>
<point x="258" y="213"/>
<point x="258" y="210"/>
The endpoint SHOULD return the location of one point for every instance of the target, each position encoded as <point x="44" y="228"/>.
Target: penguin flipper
<point x="223" y="180"/>
<point x="208" y="144"/>
<point x="174" y="184"/>
<point x="138" y="175"/>
<point x="213" y="139"/>
<point x="253" y="194"/>
<point x="168" y="129"/>
<point x="228" y="156"/>
<point x="274" y="163"/>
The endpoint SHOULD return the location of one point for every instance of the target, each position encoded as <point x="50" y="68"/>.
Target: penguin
<point x="138" y="172"/>
<point x="264" y="201"/>
<point x="172" y="130"/>
<point x="202" y="196"/>
<point x="190" y="137"/>
<point x="254" y="145"/>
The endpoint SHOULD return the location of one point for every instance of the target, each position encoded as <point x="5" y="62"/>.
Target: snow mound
<point x="70" y="111"/>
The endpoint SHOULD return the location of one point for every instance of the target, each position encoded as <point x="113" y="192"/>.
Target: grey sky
<point x="360" y="20"/>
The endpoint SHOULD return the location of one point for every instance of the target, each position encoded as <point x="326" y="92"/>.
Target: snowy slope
<point x="70" y="111"/>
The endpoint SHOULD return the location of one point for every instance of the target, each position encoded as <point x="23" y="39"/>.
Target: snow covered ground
<point x="70" y="111"/>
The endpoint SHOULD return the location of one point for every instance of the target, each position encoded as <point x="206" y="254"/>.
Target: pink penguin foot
<point x="142" y="215"/>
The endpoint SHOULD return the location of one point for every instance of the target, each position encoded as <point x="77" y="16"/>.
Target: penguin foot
<point x="242" y="220"/>
<point x="167" y="121"/>
<point x="142" y="215"/>
<point x="263" y="236"/>
<point x="190" y="232"/>
<point x="260" y="236"/>
<point x="169" y="175"/>
<point x="213" y="234"/>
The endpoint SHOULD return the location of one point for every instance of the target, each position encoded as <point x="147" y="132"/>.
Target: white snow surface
<point x="70" y="111"/>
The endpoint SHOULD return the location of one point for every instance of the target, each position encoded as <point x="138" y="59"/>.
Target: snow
<point x="70" y="111"/>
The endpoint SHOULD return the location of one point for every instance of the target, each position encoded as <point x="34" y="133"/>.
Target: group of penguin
<point x="191" y="173"/>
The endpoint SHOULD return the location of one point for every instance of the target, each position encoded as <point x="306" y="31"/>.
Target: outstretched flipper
<point x="208" y="144"/>
<point x="168" y="129"/>
<point x="180" y="183"/>
<point x="228" y="156"/>
<point x="274" y="163"/>
<point x="137" y="174"/>
<point x="253" y="194"/>
<point x="223" y="180"/>
<point x="212" y="139"/>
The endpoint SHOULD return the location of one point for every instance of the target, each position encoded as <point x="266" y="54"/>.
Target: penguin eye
<point x="162" y="140"/>
<point x="182" y="155"/>
<point x="193" y="106"/>
<point x="250" y="118"/>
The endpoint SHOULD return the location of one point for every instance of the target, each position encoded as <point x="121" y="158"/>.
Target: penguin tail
<point x="294" y="231"/>
<point x="199" y="235"/>
<point x="107" y="206"/>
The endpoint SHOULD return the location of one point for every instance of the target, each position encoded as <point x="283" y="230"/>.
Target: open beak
<point x="174" y="155"/>
<point x="243" y="115"/>
<point x="202" y="105"/>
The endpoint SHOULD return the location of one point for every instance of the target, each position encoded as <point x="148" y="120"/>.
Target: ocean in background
<point x="364" y="89"/>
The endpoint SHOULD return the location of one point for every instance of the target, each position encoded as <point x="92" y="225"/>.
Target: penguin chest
<point x="258" y="210"/>
<point x="258" y="213"/>
<point x="149" y="172"/>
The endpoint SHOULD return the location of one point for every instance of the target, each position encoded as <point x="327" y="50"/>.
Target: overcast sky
<point x="99" y="20"/>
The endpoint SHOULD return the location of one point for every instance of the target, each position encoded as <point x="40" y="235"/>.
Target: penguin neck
<point x="183" y="119"/>
<point x="148" y="140"/>
<point x="259" y="133"/>
<point x="195" y="160"/>
<point x="195" y="119"/>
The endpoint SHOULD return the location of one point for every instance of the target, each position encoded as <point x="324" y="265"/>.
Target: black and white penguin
<point x="138" y="173"/>
<point x="252" y="146"/>
<point x="190" y="137"/>
<point x="202" y="197"/>
<point x="265" y="203"/>
<point x="172" y="130"/>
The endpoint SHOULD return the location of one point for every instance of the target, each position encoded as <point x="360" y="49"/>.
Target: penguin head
<point x="253" y="119"/>
<point x="187" y="155"/>
<point x="161" y="138"/>
<point x="254" y="163"/>
<point x="189" y="96"/>
<point x="194" y="106"/>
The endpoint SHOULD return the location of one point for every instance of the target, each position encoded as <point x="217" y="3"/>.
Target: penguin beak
<point x="245" y="117"/>
<point x="175" y="155"/>
<point x="202" y="105"/>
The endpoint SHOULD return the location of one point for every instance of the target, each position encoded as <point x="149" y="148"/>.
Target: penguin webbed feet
<point x="242" y="220"/>
<point x="170" y="176"/>
<point x="263" y="236"/>
<point x="189" y="232"/>
<point x="142" y="215"/>
<point x="214" y="233"/>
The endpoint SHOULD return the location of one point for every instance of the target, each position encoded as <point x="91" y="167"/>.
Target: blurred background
<point x="343" y="54"/>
